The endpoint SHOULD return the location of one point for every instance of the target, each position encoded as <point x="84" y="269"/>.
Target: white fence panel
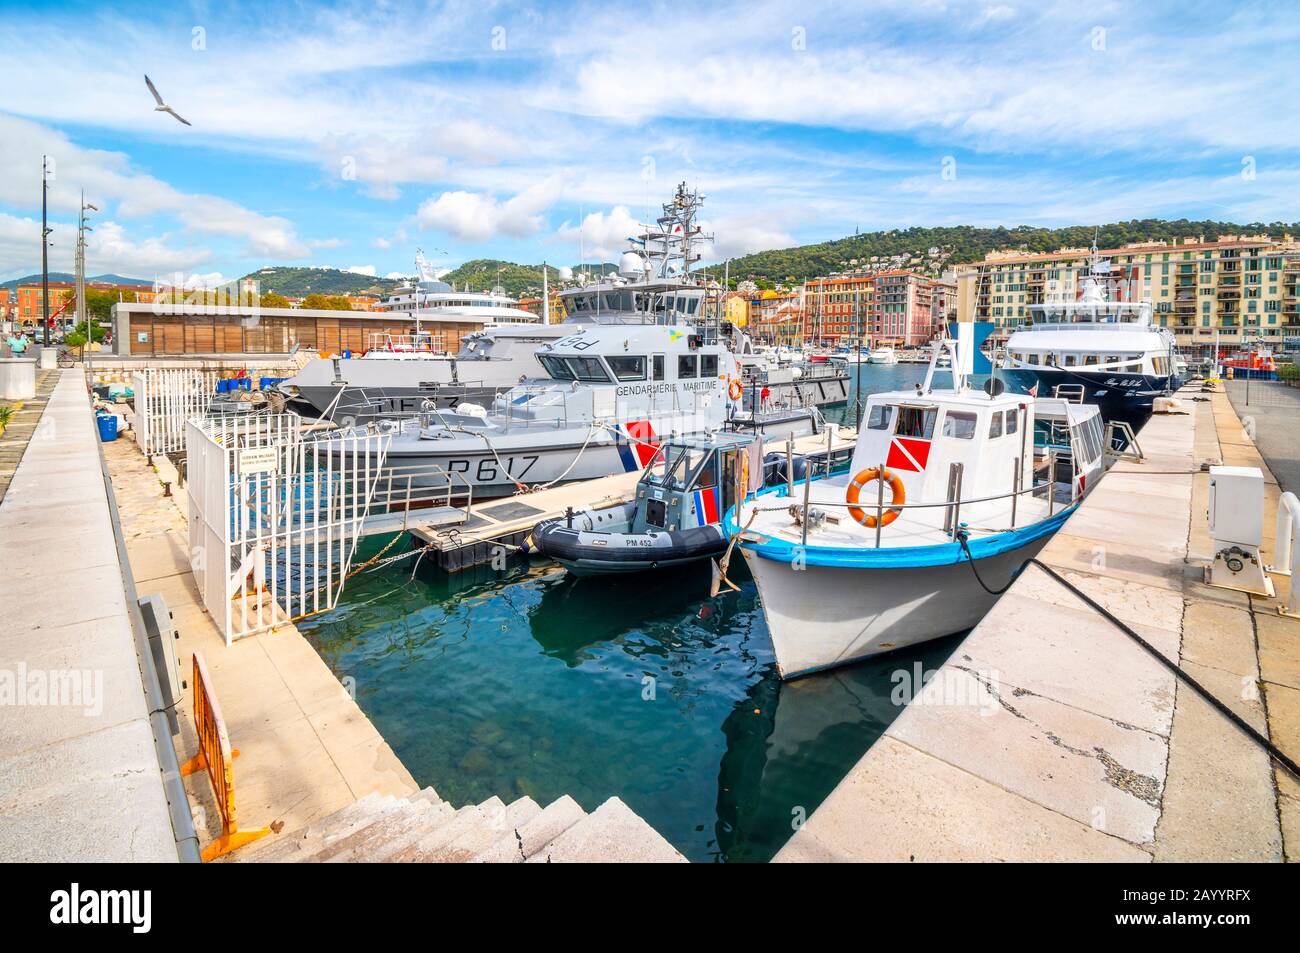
<point x="275" y="515"/>
<point x="164" y="400"/>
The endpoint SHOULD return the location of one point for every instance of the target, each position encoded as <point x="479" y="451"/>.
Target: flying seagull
<point x="162" y="107"/>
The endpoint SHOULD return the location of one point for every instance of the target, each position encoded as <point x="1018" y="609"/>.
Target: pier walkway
<point x="1050" y="735"/>
<point x="80" y="777"/>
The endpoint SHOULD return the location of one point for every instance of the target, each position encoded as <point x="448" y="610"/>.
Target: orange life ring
<point x="855" y="489"/>
<point x="735" y="389"/>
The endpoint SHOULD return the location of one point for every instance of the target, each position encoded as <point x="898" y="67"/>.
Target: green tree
<point x="273" y="300"/>
<point x="77" y="336"/>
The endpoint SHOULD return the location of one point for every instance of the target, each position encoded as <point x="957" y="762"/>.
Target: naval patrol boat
<point x="645" y="357"/>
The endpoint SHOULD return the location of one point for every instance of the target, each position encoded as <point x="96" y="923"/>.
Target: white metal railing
<point x="1287" y="556"/>
<point x="164" y="400"/>
<point x="951" y="506"/>
<point x="274" y="517"/>
<point x="406" y="343"/>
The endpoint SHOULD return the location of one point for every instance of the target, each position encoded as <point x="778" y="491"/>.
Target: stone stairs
<point x="423" y="828"/>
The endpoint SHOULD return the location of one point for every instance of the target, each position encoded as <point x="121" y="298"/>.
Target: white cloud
<point x="744" y="234"/>
<point x="381" y="242"/>
<point x="109" y="249"/>
<point x="397" y="276"/>
<point x="367" y="270"/>
<point x="602" y="235"/>
<point x="475" y="217"/>
<point x="109" y="178"/>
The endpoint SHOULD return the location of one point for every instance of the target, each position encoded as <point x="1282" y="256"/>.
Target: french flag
<point x="706" y="505"/>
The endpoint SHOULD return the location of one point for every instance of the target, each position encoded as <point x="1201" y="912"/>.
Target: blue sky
<point x="346" y="135"/>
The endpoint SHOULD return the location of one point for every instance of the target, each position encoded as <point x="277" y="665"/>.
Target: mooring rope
<point x="1274" y="752"/>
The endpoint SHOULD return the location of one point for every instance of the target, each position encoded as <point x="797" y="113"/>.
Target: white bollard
<point x="1287" y="556"/>
<point x="17" y="378"/>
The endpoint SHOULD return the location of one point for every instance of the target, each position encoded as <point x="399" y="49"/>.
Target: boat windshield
<point x="682" y="468"/>
<point x="589" y="369"/>
<point x="1111" y="312"/>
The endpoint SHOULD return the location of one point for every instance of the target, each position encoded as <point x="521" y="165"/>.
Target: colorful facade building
<point x="1226" y="292"/>
<point x="839" y="308"/>
<point x="776" y="317"/>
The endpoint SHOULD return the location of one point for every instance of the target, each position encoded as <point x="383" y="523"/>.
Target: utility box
<point x="1237" y="528"/>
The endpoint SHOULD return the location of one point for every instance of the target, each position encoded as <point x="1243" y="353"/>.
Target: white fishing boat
<point x="883" y="355"/>
<point x="949" y="492"/>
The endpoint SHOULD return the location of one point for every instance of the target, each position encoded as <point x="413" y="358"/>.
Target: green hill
<point x="298" y="282"/>
<point x="965" y="243"/>
<point x="483" y="274"/>
<point x="480" y="274"/>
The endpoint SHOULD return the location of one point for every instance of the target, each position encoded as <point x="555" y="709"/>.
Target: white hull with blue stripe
<point x="826" y="614"/>
<point x="949" y="493"/>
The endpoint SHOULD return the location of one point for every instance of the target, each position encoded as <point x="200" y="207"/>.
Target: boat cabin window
<point x="556" y="367"/>
<point x="1013" y="421"/>
<point x="688" y="365"/>
<point x="619" y="301"/>
<point x="878" y="419"/>
<point x="916" y="422"/>
<point x="682" y="468"/>
<point x="995" y="425"/>
<point x="588" y="369"/>
<point x="658" y="367"/>
<point x="959" y="425"/>
<point x="708" y="365"/>
<point x="627" y="368"/>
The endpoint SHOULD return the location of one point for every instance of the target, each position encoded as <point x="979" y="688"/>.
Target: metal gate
<point x="275" y="515"/>
<point x="164" y="400"/>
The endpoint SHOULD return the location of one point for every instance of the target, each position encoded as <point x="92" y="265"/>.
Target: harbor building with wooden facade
<point x="166" y="329"/>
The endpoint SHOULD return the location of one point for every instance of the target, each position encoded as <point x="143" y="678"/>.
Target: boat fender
<point x="854" y="493"/>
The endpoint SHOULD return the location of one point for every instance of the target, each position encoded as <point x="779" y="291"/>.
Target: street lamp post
<point x="83" y="314"/>
<point x="45" y="256"/>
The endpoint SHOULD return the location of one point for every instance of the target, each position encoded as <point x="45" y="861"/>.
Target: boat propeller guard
<point x="855" y="490"/>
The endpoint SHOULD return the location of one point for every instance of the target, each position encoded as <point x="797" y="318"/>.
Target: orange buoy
<point x="853" y="495"/>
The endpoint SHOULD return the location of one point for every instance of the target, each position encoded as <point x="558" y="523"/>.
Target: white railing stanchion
<point x="1286" y="559"/>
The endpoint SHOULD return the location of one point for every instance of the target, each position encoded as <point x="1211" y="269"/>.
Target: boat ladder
<point x="1074" y="393"/>
<point x="1122" y="443"/>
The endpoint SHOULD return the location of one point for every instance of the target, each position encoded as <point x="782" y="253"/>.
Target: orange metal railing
<point x="216" y="755"/>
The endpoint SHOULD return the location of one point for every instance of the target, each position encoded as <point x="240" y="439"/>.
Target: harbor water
<point x="528" y="681"/>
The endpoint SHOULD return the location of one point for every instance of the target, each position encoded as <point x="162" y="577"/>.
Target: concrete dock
<point x="306" y="749"/>
<point x="1050" y="735"/>
<point x="80" y="778"/>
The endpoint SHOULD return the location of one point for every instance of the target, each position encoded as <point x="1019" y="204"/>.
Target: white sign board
<point x="259" y="460"/>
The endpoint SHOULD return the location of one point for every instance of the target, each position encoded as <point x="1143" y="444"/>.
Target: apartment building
<point x="777" y="316"/>
<point x="1230" y="291"/>
<point x="839" y="308"/>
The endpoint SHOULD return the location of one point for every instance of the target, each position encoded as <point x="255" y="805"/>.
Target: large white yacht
<point x="1103" y="352"/>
